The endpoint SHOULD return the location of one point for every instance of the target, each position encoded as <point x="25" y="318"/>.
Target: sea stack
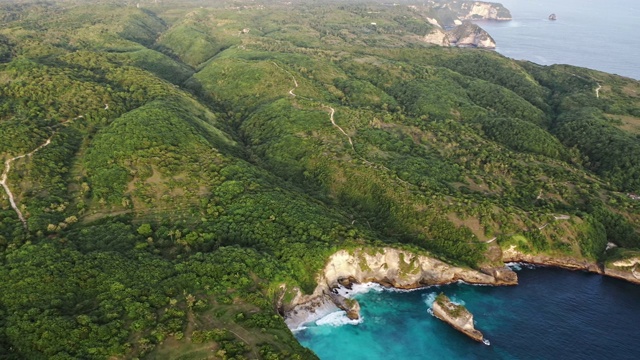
<point x="457" y="316"/>
<point x="552" y="17"/>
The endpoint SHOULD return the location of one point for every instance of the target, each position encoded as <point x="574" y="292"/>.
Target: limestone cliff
<point x="512" y="254"/>
<point x="437" y="37"/>
<point x="457" y="316"/>
<point x="480" y="10"/>
<point x="465" y="35"/>
<point x="470" y="34"/>
<point x="386" y="266"/>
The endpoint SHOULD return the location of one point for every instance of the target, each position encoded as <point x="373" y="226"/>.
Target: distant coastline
<point x="573" y="39"/>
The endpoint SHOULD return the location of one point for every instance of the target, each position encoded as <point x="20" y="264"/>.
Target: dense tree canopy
<point x="189" y="164"/>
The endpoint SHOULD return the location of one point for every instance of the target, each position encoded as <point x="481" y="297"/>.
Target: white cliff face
<point x="465" y="35"/>
<point x="390" y="267"/>
<point x="399" y="268"/>
<point x="485" y="11"/>
<point x="437" y="37"/>
<point x="433" y="22"/>
<point x="470" y="34"/>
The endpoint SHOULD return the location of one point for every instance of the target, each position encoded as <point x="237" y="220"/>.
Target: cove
<point x="551" y="314"/>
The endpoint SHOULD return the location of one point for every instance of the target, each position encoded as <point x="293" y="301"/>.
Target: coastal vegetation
<point x="204" y="160"/>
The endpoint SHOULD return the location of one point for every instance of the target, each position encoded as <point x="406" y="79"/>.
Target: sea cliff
<point x="628" y="269"/>
<point x="386" y="266"/>
<point x="467" y="34"/>
<point x="481" y="10"/>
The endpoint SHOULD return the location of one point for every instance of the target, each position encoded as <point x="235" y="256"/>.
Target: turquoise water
<point x="598" y="34"/>
<point x="552" y="314"/>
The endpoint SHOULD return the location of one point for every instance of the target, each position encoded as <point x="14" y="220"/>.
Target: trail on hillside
<point x="332" y="112"/>
<point x="7" y="169"/>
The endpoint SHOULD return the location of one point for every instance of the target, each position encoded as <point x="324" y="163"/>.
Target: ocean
<point x="597" y="34"/>
<point x="551" y="314"/>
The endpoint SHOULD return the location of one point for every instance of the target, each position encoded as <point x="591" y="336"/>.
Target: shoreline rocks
<point x="404" y="270"/>
<point x="457" y="316"/>
<point x="389" y="267"/>
<point x="513" y="255"/>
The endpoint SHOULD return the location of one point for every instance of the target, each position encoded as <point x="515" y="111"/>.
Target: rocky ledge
<point x="386" y="266"/>
<point x="628" y="269"/>
<point x="513" y="255"/>
<point x="457" y="316"/>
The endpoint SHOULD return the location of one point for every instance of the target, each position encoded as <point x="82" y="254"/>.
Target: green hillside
<point x="188" y="164"/>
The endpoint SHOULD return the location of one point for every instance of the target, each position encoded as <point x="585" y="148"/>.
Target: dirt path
<point x="332" y="112"/>
<point x="598" y="91"/>
<point x="7" y="168"/>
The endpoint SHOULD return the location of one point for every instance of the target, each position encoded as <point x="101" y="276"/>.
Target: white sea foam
<point x="338" y="318"/>
<point x="486" y="342"/>
<point x="457" y="301"/>
<point x="466" y="283"/>
<point x="359" y="289"/>
<point x="299" y="328"/>
<point x="516" y="266"/>
<point x="429" y="299"/>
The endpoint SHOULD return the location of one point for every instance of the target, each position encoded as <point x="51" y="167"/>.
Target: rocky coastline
<point x="400" y="269"/>
<point x="388" y="267"/>
<point x="621" y="270"/>
<point x="467" y="34"/>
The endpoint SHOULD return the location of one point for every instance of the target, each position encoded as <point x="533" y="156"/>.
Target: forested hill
<point x="188" y="164"/>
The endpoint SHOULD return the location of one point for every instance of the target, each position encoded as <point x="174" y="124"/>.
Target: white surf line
<point x="7" y="168"/>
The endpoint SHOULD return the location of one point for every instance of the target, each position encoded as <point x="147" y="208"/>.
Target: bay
<point x="596" y="34"/>
<point x="551" y="314"/>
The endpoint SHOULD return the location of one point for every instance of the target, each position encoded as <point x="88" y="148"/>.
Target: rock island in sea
<point x="457" y="316"/>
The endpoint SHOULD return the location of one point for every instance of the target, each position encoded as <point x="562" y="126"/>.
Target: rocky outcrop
<point x="565" y="262"/>
<point x="628" y="269"/>
<point x="480" y="10"/>
<point x="470" y="34"/>
<point x="457" y="316"/>
<point x="465" y="35"/>
<point x="350" y="306"/>
<point x="437" y="37"/>
<point x="386" y="266"/>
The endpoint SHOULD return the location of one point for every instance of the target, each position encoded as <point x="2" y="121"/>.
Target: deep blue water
<point x="551" y="314"/>
<point x="597" y="34"/>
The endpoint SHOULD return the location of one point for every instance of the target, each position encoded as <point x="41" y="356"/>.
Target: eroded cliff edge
<point x="626" y="269"/>
<point x="457" y="316"/>
<point x="389" y="267"/>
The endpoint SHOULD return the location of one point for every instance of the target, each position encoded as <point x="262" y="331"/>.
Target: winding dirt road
<point x="7" y="168"/>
